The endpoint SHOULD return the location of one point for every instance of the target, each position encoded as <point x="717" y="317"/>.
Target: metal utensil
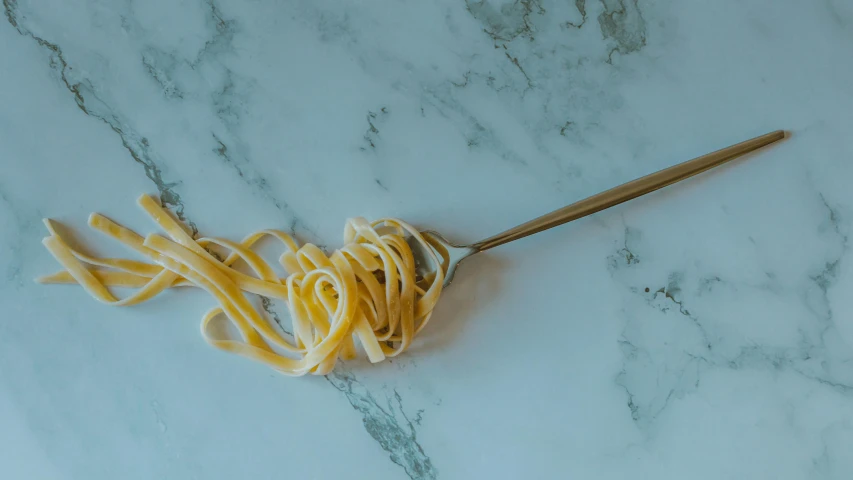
<point x="453" y="254"/>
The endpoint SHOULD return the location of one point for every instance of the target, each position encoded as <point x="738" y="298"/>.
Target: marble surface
<point x="705" y="331"/>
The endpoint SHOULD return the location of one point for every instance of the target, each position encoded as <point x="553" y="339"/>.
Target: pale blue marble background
<point x="705" y="331"/>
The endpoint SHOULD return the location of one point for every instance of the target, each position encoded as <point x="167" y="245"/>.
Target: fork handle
<point x="629" y="191"/>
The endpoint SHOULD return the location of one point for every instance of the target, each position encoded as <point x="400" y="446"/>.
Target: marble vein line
<point x="836" y="14"/>
<point x="676" y="371"/>
<point x="480" y="135"/>
<point x="676" y="377"/>
<point x="828" y="275"/>
<point x="622" y="22"/>
<point x="371" y="140"/>
<point x="581" y="6"/>
<point x="383" y="426"/>
<point x="514" y="31"/>
<point x="267" y="305"/>
<point x="390" y="426"/>
<point x="506" y="25"/>
<point x="91" y="105"/>
<point x="230" y="102"/>
<point x="669" y="292"/>
<point x="242" y="166"/>
<point x="624" y="255"/>
<point x="371" y="135"/>
<point x="229" y="95"/>
<point x="24" y="223"/>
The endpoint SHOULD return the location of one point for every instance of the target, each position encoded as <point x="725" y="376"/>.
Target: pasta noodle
<point x="366" y="290"/>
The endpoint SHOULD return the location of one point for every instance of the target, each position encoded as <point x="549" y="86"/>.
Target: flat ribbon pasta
<point x="366" y="290"/>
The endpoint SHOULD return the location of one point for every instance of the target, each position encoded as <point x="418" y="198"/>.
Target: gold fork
<point x="453" y="254"/>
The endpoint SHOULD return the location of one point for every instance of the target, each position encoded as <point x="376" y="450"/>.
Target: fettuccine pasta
<point x="365" y="291"/>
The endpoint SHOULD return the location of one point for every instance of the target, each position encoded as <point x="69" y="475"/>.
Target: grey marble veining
<point x="701" y="332"/>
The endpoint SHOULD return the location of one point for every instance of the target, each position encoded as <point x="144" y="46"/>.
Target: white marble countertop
<point x="704" y="331"/>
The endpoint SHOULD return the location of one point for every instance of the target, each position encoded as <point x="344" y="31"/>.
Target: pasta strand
<point x="364" y="292"/>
